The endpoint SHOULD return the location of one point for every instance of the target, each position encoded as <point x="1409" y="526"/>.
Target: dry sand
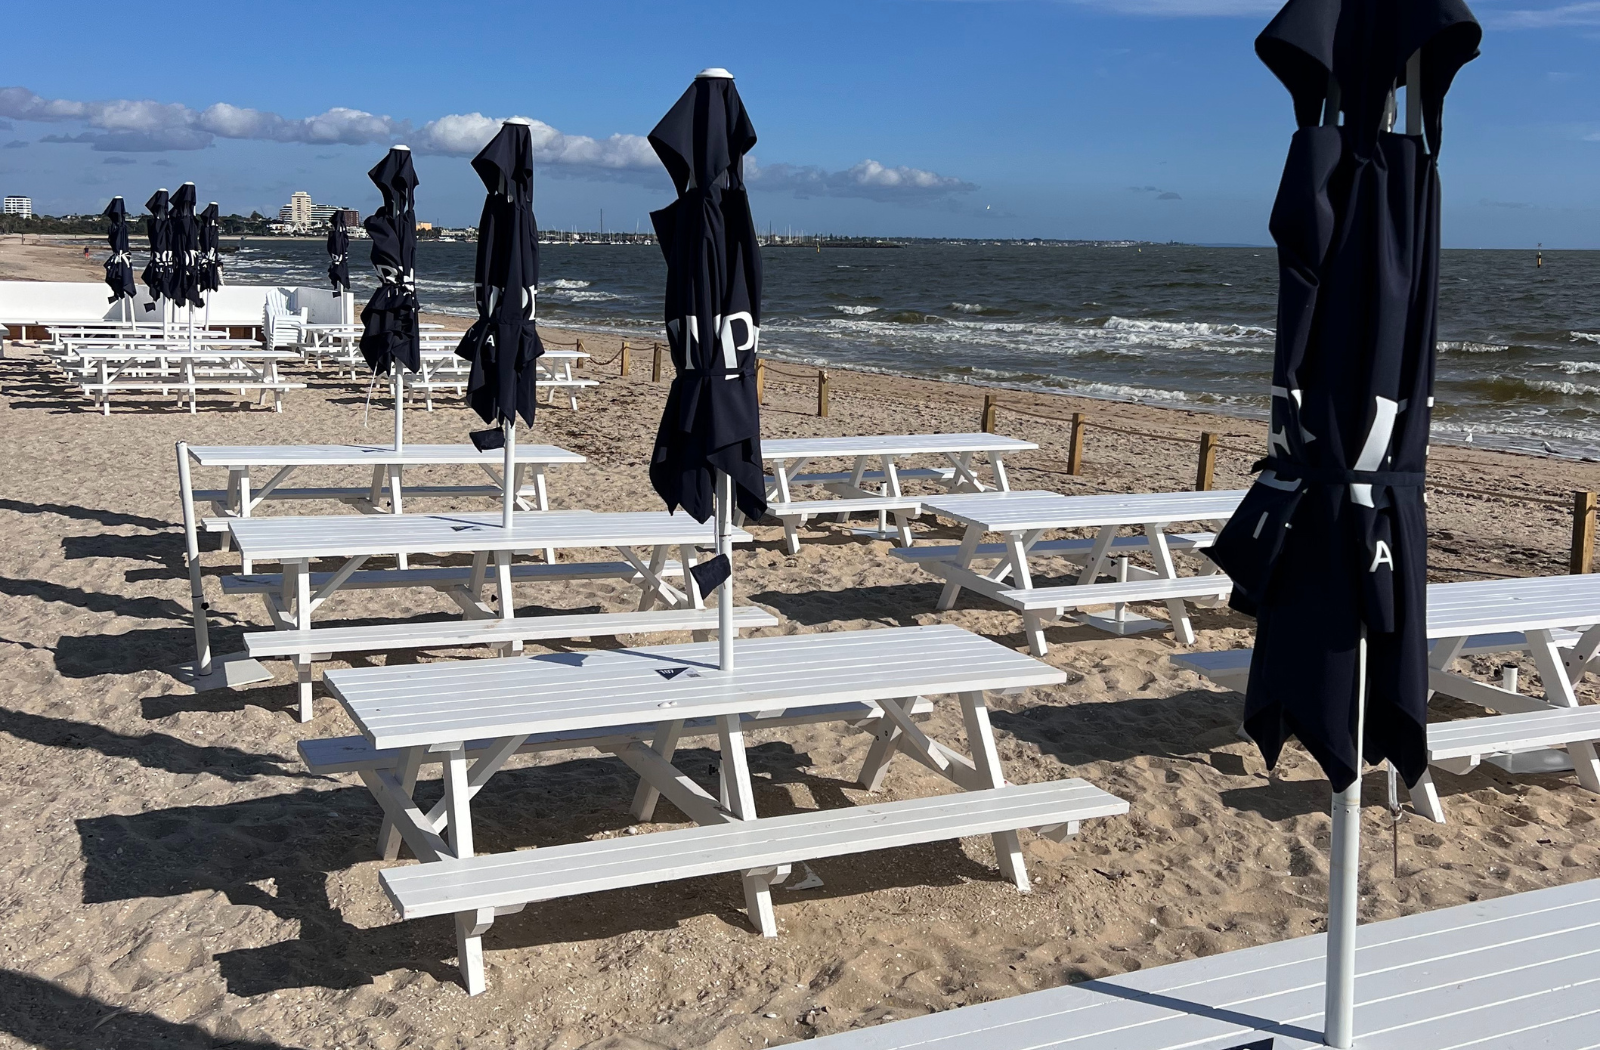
<point x="170" y="876"/>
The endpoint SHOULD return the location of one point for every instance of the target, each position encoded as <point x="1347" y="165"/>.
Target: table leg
<point x="389" y="838"/>
<point x="244" y="511"/>
<point x="1182" y="628"/>
<point x="665" y="744"/>
<point x="508" y="604"/>
<point x="1017" y="546"/>
<point x="738" y="797"/>
<point x="397" y="505"/>
<point x="985" y="756"/>
<point x="963" y="560"/>
<point x="1001" y="482"/>
<point x="1096" y="562"/>
<point x="1558" y="693"/>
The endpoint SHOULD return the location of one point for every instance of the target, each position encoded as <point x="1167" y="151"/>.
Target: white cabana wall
<point x="39" y="303"/>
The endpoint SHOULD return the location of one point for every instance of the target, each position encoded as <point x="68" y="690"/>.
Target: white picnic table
<point x="243" y="495"/>
<point x="1023" y="519"/>
<point x="872" y="484"/>
<point x="636" y="704"/>
<point x="1554" y="619"/>
<point x="178" y="364"/>
<point x="292" y="596"/>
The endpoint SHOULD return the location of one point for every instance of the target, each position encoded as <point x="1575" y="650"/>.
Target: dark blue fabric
<point x="119" y="264"/>
<point x="185" y="240"/>
<point x="503" y="344"/>
<point x="157" y="275"/>
<point x="713" y="305"/>
<point x="1357" y="227"/>
<point x="210" y="264"/>
<point x="338" y="254"/>
<point x="389" y="324"/>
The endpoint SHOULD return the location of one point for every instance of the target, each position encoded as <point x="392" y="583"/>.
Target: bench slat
<point x="509" y="879"/>
<point x="844" y="506"/>
<point x="1178" y="541"/>
<point x="378" y="637"/>
<point x="1081" y="595"/>
<point x="445" y="576"/>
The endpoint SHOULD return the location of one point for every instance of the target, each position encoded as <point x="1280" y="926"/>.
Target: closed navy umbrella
<point x="119" y="264"/>
<point x="503" y="344"/>
<point x="210" y="256"/>
<point x="338" y="254"/>
<point x="157" y="275"/>
<point x="185" y="226"/>
<point x="390" y="336"/>
<point x="1329" y="549"/>
<point x="708" y="449"/>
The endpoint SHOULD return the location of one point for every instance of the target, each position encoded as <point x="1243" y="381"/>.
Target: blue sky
<point x="1143" y="119"/>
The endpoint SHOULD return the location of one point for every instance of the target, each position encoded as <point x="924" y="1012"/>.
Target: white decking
<point x="1515" y="973"/>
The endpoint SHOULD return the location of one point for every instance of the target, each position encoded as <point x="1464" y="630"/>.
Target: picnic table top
<point x="890" y="444"/>
<point x="181" y="346"/>
<point x="1033" y="509"/>
<point x="356" y="326"/>
<point x="420" y="704"/>
<point x="295" y="537"/>
<point x="1529" y="603"/>
<point x="350" y="455"/>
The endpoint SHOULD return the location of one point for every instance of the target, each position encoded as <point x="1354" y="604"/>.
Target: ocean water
<point x="1519" y="352"/>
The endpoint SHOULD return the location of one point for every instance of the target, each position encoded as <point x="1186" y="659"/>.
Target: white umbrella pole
<point x="1344" y="873"/>
<point x="725" y="591"/>
<point x="399" y="406"/>
<point x="509" y="496"/>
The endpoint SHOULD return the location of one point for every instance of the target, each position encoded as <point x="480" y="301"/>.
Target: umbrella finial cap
<point x="523" y="121"/>
<point x="406" y="148"/>
<point x="713" y="73"/>
<point x="188" y="184"/>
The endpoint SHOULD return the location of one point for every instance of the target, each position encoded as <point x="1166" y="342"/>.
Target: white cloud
<point x="868" y="179"/>
<point x="145" y="126"/>
<point x="1585" y="13"/>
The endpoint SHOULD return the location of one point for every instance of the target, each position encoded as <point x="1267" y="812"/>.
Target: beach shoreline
<point x="174" y="874"/>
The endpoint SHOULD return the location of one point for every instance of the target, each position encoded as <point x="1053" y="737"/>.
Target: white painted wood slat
<point x="889" y="445"/>
<point x="591" y="867"/>
<point x="1035" y="509"/>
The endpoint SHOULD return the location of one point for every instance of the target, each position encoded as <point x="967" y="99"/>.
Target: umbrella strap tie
<point x="367" y="408"/>
<point x="1394" y="479"/>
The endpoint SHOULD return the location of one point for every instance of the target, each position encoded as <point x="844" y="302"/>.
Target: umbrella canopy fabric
<point x="389" y="320"/>
<point x="185" y="236"/>
<point x="712" y="420"/>
<point x="503" y="343"/>
<point x="119" y="265"/>
<point x="338" y="255"/>
<point x="157" y="275"/>
<point x="210" y="258"/>
<point x="1331" y="541"/>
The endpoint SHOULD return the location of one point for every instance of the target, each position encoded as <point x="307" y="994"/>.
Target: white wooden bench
<point x="1519" y="737"/>
<point x="1517" y="972"/>
<point x="436" y="708"/>
<point x="323" y="643"/>
<point x="876" y="490"/>
<point x="1024" y="518"/>
<point x="477" y="889"/>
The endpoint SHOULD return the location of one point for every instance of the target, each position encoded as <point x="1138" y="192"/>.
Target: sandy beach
<point x="171" y="876"/>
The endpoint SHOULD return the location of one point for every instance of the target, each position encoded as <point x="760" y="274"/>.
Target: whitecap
<point x="967" y="308"/>
<point x="1588" y="337"/>
<point x="856" y="310"/>
<point x="563" y="282"/>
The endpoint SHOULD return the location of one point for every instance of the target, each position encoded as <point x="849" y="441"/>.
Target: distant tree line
<point x="232" y="225"/>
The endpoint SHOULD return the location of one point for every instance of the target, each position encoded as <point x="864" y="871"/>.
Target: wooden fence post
<point x="822" y="392"/>
<point x="1583" y="515"/>
<point x="1208" y="462"/>
<point x="655" y="366"/>
<point x="582" y="360"/>
<point x="623" y="367"/>
<point x="761" y="381"/>
<point x="1075" y="449"/>
<point x="991" y="412"/>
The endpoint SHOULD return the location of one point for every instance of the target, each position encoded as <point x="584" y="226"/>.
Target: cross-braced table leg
<point x="963" y="560"/>
<point x="986" y="757"/>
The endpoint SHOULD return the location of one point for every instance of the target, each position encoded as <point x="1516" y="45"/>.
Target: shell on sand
<point x="163" y="854"/>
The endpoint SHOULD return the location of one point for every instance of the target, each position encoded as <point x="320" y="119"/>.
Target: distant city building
<point x="351" y="216"/>
<point x="22" y="206"/>
<point x="298" y="210"/>
<point x="424" y="226"/>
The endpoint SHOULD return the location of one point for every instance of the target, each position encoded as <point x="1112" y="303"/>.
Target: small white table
<point x="179" y="364"/>
<point x="1023" y="518"/>
<point x="789" y="457"/>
